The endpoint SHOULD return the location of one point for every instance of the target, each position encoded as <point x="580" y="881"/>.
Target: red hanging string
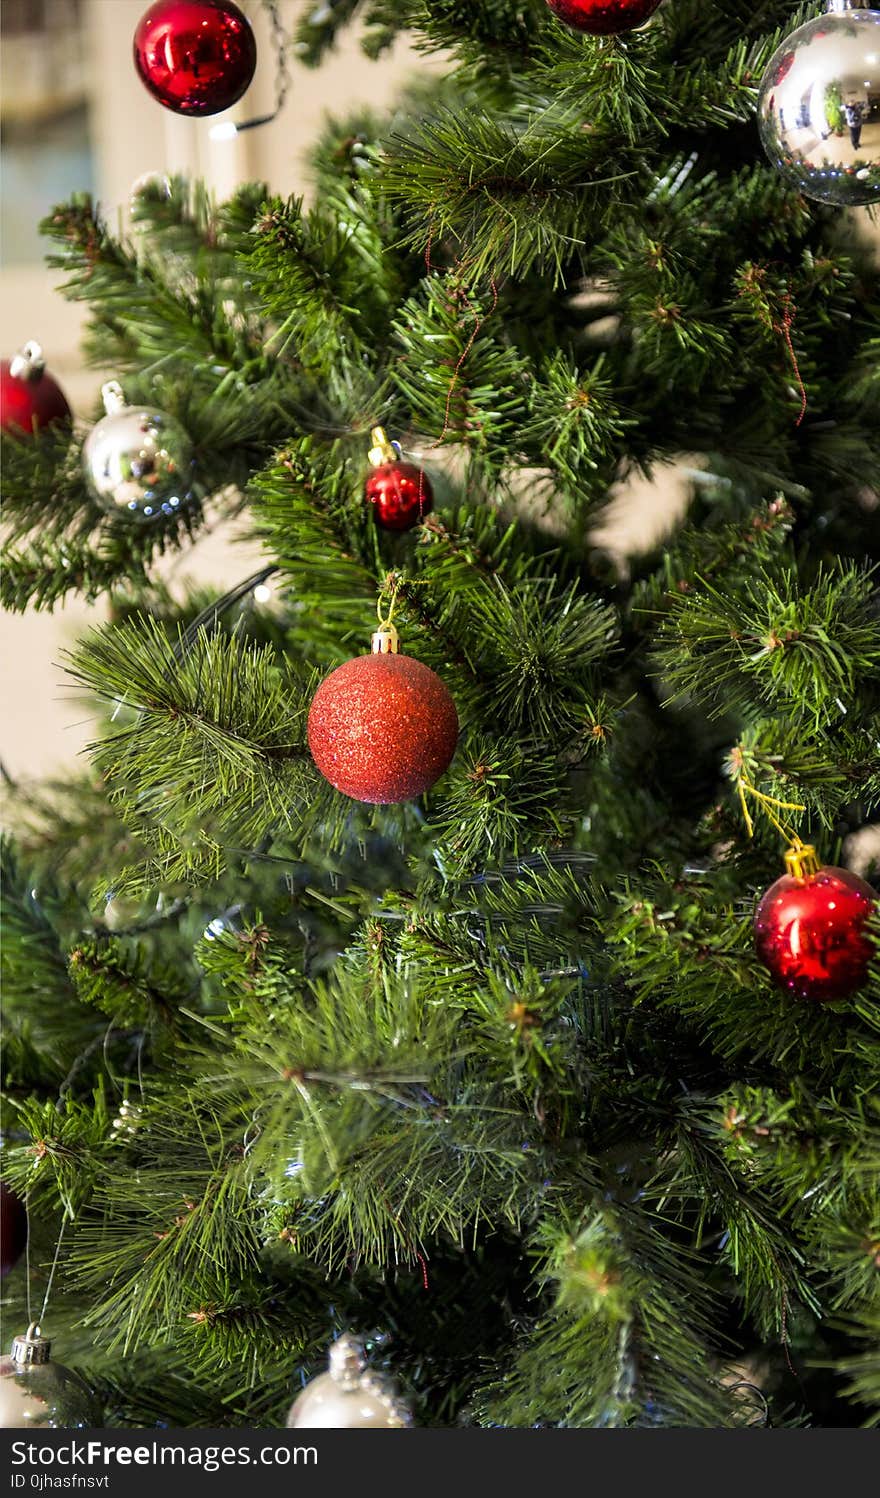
<point x="419" y="1255"/>
<point x="456" y="373"/>
<point x="478" y="326"/>
<point x="784" y="329"/>
<point x="791" y="1367"/>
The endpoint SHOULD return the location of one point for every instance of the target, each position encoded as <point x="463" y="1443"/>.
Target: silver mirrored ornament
<point x="36" y="1392"/>
<point x="349" y="1397"/>
<point x="819" y="106"/>
<point x="138" y="461"/>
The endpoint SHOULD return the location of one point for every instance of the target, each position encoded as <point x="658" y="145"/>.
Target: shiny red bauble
<point x="810" y="933"/>
<point x="603" y="17"/>
<point x="13" y="1229"/>
<point x="29" y="397"/>
<point x="400" y="494"/>
<point x="196" y="57"/>
<point x="382" y="728"/>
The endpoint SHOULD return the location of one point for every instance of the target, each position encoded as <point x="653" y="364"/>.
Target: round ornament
<point x="819" y="106"/>
<point x="36" y="1392"/>
<point x="197" y="57"/>
<point x="349" y="1396"/>
<point x="399" y="492"/>
<point x="138" y="461"/>
<point x="810" y="928"/>
<point x="29" y="397"/>
<point x="603" y="17"/>
<point x="382" y="727"/>
<point x="13" y="1229"/>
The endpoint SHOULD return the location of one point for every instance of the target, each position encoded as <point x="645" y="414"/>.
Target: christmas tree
<point x="480" y="1063"/>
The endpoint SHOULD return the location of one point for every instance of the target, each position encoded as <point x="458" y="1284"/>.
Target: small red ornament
<point x="13" y="1229"/>
<point x="29" y="397"/>
<point x="603" y="17"/>
<point x="196" y="57"/>
<point x="810" y="928"/>
<point x="400" y="493"/>
<point x="382" y="727"/>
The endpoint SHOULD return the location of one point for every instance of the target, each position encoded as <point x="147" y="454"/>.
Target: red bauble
<point x="29" y="397"/>
<point x="13" y="1229"/>
<point x="603" y="17"/>
<point x="810" y="929"/>
<point x="383" y="727"/>
<point x="196" y="57"/>
<point x="401" y="493"/>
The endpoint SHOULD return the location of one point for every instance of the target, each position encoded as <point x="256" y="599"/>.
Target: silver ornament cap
<point x="35" y="1391"/>
<point x="350" y="1396"/>
<point x="819" y="106"/>
<point x="31" y="1348"/>
<point x="138" y="461"/>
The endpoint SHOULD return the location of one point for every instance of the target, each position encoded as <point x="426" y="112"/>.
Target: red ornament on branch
<point x="810" y="928"/>
<point x="400" y="493"/>
<point x="29" y="397"/>
<point x="13" y="1229"/>
<point x="603" y="17"/>
<point x="197" y="57"/>
<point x="382" y="727"/>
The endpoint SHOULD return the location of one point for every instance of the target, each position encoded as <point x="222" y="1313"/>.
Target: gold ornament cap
<point x="31" y="1349"/>
<point x="386" y="641"/>
<point x="28" y="363"/>
<point x="383" y="451"/>
<point x="802" y="861"/>
<point x="349" y="1369"/>
<point x="347" y="1361"/>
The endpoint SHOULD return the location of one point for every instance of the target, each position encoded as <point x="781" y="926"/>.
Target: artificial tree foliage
<point x="495" y="1079"/>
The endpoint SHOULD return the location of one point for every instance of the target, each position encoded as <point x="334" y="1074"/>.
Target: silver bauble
<point x="819" y="106"/>
<point x="35" y="1392"/>
<point x="138" y="460"/>
<point x="349" y="1397"/>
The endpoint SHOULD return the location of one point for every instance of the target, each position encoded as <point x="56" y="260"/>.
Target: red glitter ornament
<point x="400" y="493"/>
<point x="810" y="928"/>
<point x="196" y="57"/>
<point x="603" y="17"/>
<point x="13" y="1229"/>
<point x="29" y="397"/>
<point x="382" y="727"/>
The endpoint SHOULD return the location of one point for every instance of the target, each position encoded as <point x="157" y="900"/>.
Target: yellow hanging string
<point x="768" y="804"/>
<point x="390" y="589"/>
